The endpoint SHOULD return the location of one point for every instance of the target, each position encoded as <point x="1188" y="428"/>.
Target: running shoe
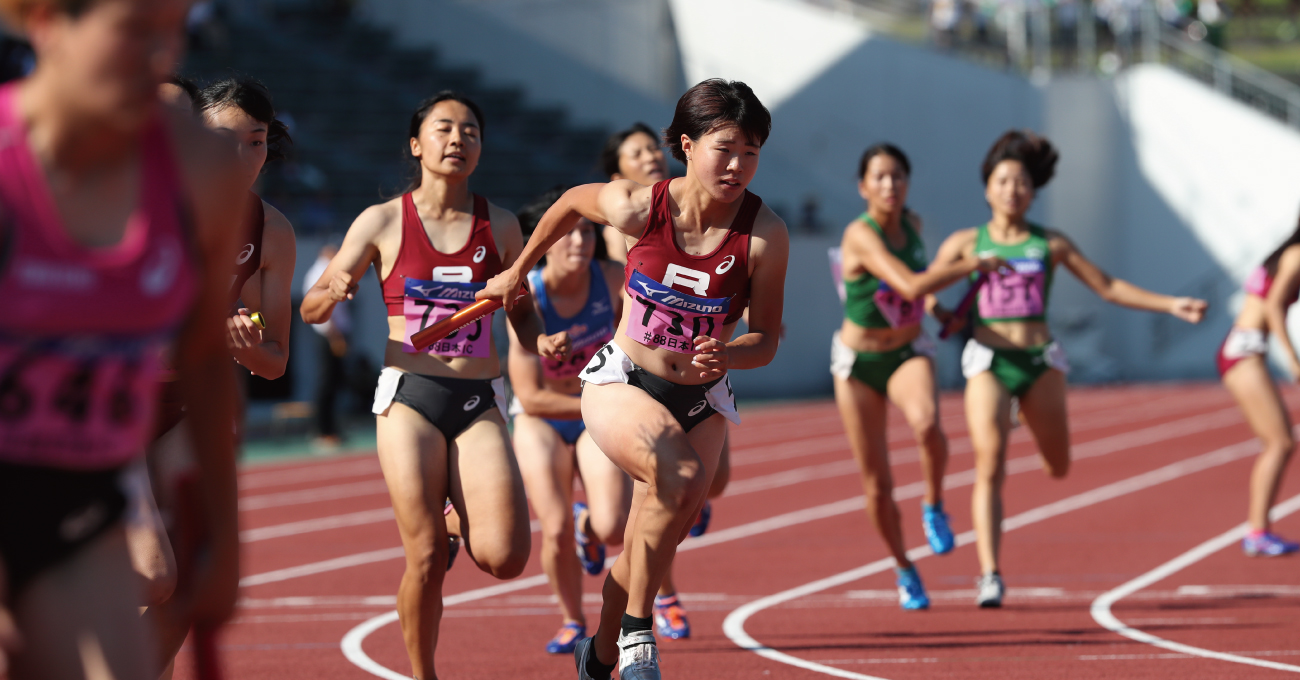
<point x="638" y="656"/>
<point x="581" y="653"/>
<point x="911" y="594"/>
<point x="670" y="618"/>
<point x="702" y="520"/>
<point x="1265" y="544"/>
<point x="989" y="590"/>
<point x="453" y="549"/>
<point x="935" y="522"/>
<point x="590" y="552"/>
<point x="566" y="641"/>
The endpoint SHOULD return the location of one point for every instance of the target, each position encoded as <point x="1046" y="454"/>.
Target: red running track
<point x="1158" y="471"/>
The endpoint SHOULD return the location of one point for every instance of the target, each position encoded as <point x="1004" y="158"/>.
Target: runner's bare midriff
<point x="861" y="339"/>
<point x="472" y="368"/>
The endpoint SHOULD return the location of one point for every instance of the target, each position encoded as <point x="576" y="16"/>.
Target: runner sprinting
<point x="1012" y="352"/>
<point x="440" y="412"/>
<point x="637" y="154"/>
<point x="115" y="213"/>
<point x="1242" y="360"/>
<point x="578" y="294"/>
<point x="881" y="355"/>
<point x="655" y="398"/>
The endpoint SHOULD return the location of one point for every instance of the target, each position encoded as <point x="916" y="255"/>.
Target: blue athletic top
<point x="589" y="329"/>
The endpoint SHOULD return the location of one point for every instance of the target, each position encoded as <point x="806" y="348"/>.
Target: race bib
<point x="1015" y="294"/>
<point x="898" y="310"/>
<point x="428" y="302"/>
<point x="75" y="403"/>
<point x="663" y="317"/>
<point x="583" y="350"/>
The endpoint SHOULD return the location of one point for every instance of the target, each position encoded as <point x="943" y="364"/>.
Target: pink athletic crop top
<point x="1259" y="283"/>
<point x="83" y="329"/>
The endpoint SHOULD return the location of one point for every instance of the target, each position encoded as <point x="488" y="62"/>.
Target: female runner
<point x="880" y="353"/>
<point x="432" y="248"/>
<point x="1270" y="290"/>
<point x="704" y="248"/>
<point x="115" y="214"/>
<point x="580" y="295"/>
<point x="1012" y="353"/>
<point x="637" y="154"/>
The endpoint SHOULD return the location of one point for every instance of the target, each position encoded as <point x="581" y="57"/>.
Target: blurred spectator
<point x="332" y="347"/>
<point x="810" y="215"/>
<point x="16" y="58"/>
<point x="945" y="16"/>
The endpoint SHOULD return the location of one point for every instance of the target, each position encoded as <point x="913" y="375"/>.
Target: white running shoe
<point x="638" y="656"/>
<point x="990" y="590"/>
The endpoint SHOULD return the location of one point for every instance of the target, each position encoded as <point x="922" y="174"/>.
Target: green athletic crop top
<point x="1020" y="294"/>
<point x="870" y="302"/>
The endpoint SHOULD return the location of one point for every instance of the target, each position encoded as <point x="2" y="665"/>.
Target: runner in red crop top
<point x="441" y="433"/>
<point x="1271" y="289"/>
<point x="656" y="397"/>
<point x="113" y="217"/>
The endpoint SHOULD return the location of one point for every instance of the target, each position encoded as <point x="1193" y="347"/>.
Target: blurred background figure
<point x="331" y="341"/>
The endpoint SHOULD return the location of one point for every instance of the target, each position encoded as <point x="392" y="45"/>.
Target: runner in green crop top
<point x="879" y="355"/>
<point x="1011" y="353"/>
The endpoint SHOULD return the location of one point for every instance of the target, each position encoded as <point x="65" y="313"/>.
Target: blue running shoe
<point x="567" y="639"/>
<point x="911" y="594"/>
<point x="702" y="520"/>
<point x="590" y="552"/>
<point x="935" y="522"/>
<point x="1265" y="544"/>
<point x="670" y="618"/>
<point x="581" y="653"/>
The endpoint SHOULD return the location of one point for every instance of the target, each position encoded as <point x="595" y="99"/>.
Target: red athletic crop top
<point x="723" y="273"/>
<point x="476" y="262"/>
<point x="249" y="259"/>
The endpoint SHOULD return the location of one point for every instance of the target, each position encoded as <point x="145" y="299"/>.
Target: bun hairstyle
<point x="1270" y="263"/>
<point x="531" y="214"/>
<point x="251" y="97"/>
<point x="716" y="103"/>
<point x="1034" y="152"/>
<point x="609" y="155"/>
<point x="883" y="149"/>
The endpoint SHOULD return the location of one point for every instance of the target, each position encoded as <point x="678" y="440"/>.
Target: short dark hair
<point x="883" y="149"/>
<point x="191" y="90"/>
<point x="1031" y="150"/>
<point x="609" y="155"/>
<point x="531" y="214"/>
<point x="423" y="109"/>
<point x="1270" y="262"/>
<point x="715" y="103"/>
<point x="251" y="97"/>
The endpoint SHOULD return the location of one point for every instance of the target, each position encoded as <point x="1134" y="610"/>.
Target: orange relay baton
<point x="457" y="321"/>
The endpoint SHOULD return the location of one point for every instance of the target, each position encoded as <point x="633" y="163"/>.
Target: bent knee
<point x="503" y="562"/>
<point x="681" y="484"/>
<point x="159" y="586"/>
<point x="1057" y="467"/>
<point x="609" y="530"/>
<point x="878" y="488"/>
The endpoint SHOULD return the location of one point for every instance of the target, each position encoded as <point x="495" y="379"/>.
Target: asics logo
<point x="469" y="405"/>
<point x="480" y="254"/>
<point x="461" y="274"/>
<point x="698" y="407"/>
<point x="244" y="254"/>
<point x="694" y="279"/>
<point x="158" y="277"/>
<point x="726" y="265"/>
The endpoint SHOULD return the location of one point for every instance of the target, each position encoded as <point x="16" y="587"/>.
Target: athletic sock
<point x="596" y="669"/>
<point x="937" y="507"/>
<point x="636" y="624"/>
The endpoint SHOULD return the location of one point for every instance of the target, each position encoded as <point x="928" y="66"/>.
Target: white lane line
<point x="352" y="642"/>
<point x="1101" y="607"/>
<point x="316" y="495"/>
<point x="323" y="566"/>
<point x="351" y="519"/>
<point x="734" y="625"/>
<point x="316" y="472"/>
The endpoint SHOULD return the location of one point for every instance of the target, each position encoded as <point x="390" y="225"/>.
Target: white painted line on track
<point x="314" y="473"/>
<point x="323" y="566"/>
<point x="1101" y="607"/>
<point x="351" y="519"/>
<point x="352" y="641"/>
<point x="734" y="625"/>
<point x="324" y="493"/>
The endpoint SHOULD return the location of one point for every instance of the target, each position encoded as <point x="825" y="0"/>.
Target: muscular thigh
<point x="546" y="464"/>
<point x="486" y="486"/>
<point x="636" y="432"/>
<point x="863" y="411"/>
<point x="914" y="391"/>
<point x="1257" y="394"/>
<point x="1044" y="411"/>
<point x="413" y="456"/>
<point x="988" y="416"/>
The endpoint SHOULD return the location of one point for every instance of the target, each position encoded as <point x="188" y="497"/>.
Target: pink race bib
<point x="428" y="302"/>
<point x="898" y="310"/>
<point x="64" y="404"/>
<point x="663" y="317"/>
<point x="1015" y="294"/>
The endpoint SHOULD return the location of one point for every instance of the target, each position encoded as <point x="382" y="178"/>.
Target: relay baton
<point x="257" y="319"/>
<point x="964" y="306"/>
<point x="457" y="321"/>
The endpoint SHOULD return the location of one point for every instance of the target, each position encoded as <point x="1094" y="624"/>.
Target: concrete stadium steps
<point x="351" y="92"/>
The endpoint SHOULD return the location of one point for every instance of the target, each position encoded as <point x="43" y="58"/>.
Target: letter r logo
<point x="694" y="279"/>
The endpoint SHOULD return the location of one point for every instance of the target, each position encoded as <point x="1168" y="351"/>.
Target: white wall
<point x="1162" y="181"/>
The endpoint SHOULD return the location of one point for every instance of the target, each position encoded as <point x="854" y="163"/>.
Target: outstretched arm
<point x="269" y="356"/>
<point x="872" y="251"/>
<point x="339" y="282"/>
<point x="526" y="381"/>
<point x="1121" y="292"/>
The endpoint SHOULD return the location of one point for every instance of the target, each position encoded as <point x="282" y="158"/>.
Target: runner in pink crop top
<point x="84" y="328"/>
